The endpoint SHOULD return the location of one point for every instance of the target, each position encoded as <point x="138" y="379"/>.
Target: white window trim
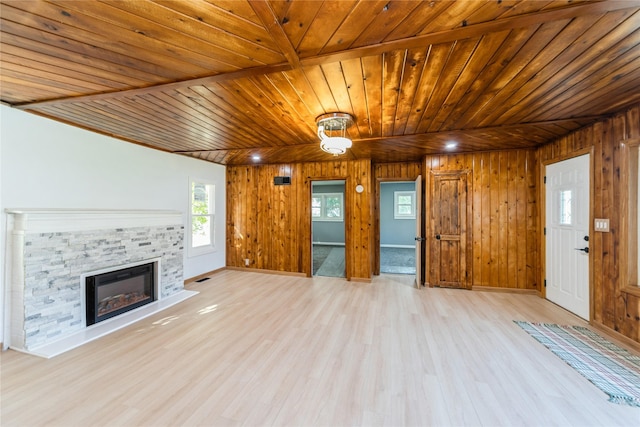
<point x="396" y="196"/>
<point x="323" y="217"/>
<point x="205" y="249"/>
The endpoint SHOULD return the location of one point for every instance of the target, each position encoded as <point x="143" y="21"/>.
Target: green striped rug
<point x="612" y="369"/>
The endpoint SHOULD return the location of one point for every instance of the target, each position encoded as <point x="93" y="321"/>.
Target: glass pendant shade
<point x="332" y="129"/>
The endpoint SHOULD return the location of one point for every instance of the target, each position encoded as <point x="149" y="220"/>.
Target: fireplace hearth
<point x="115" y="292"/>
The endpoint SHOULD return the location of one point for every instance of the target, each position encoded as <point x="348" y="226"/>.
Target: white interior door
<point x="567" y="234"/>
<point x="419" y="235"/>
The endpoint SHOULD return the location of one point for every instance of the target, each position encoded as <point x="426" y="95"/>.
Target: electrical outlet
<point x="601" y="225"/>
<point x="246" y="262"/>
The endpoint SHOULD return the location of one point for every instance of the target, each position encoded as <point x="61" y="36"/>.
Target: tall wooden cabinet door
<point x="450" y="249"/>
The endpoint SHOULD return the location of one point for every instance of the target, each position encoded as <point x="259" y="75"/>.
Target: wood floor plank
<point x="261" y="349"/>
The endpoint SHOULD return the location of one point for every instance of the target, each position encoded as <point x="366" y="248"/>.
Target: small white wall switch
<point x="601" y="225"/>
<point x="246" y="262"/>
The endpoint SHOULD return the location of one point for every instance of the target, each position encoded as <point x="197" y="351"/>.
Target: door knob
<point x="420" y="239"/>
<point x="586" y="238"/>
<point x="585" y="250"/>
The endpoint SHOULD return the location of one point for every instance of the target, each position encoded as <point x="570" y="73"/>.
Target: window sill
<point x="200" y="250"/>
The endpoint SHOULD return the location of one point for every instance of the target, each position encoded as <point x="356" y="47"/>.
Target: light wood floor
<point x="259" y="349"/>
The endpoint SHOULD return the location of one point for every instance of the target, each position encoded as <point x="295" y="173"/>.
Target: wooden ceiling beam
<point x="181" y="84"/>
<point x="269" y="19"/>
<point x="476" y="30"/>
<point x="265" y="13"/>
<point x="583" y="120"/>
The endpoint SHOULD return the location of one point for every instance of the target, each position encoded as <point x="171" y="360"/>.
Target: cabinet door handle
<point x="437" y="237"/>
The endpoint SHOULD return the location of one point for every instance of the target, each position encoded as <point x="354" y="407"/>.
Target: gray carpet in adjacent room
<point x="333" y="265"/>
<point x="329" y="261"/>
<point x="320" y="253"/>
<point x="398" y="260"/>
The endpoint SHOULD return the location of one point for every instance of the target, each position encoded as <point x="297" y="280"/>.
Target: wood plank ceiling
<point x="224" y="80"/>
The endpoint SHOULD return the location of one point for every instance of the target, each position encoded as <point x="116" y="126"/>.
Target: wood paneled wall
<point x="613" y="308"/>
<point x="270" y="225"/>
<point x="504" y="215"/>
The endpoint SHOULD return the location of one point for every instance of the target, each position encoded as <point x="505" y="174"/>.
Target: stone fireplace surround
<point x="50" y="251"/>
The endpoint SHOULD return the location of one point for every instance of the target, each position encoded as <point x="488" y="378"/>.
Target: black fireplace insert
<point x="116" y="292"/>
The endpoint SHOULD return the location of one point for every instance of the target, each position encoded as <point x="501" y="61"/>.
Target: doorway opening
<point x="328" y="228"/>
<point x="398" y="216"/>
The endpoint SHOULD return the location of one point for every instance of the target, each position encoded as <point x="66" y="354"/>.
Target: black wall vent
<point x="282" y="180"/>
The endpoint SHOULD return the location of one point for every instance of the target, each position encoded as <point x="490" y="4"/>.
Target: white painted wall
<point x="46" y="164"/>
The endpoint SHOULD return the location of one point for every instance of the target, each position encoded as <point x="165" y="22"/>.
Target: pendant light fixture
<point x="332" y="131"/>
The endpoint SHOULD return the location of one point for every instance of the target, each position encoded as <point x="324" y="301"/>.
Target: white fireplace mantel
<point x="60" y="220"/>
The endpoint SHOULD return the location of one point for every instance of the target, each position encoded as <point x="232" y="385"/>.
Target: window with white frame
<point x="327" y="207"/>
<point x="202" y="216"/>
<point x="404" y="205"/>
